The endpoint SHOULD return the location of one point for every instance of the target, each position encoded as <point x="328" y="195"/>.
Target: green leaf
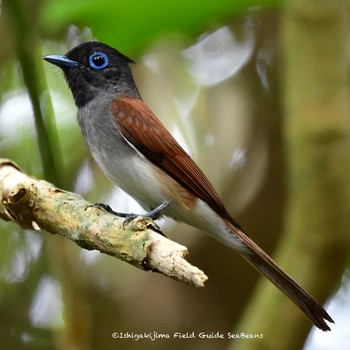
<point x="131" y="25"/>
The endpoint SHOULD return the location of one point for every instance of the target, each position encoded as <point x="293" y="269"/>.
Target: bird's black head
<point x="93" y="68"/>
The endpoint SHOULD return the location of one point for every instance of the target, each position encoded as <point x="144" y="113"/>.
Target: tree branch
<point x="38" y="205"/>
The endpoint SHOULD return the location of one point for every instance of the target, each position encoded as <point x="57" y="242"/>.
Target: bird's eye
<point x="98" y="60"/>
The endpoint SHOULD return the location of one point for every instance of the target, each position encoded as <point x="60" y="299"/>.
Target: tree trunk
<point x="314" y="246"/>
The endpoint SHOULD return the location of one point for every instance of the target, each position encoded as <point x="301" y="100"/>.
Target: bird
<point x="139" y="155"/>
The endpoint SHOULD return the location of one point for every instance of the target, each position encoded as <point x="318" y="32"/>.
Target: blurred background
<point x="258" y="93"/>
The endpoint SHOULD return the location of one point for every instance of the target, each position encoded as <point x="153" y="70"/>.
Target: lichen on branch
<point x="39" y="205"/>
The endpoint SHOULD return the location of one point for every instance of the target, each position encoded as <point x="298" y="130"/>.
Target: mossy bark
<point x="38" y="205"/>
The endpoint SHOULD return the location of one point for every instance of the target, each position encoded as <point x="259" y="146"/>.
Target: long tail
<point x="265" y="265"/>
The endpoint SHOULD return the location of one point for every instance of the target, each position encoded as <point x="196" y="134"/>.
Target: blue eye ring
<point x="95" y="57"/>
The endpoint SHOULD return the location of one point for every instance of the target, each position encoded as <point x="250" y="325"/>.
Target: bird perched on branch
<point x="138" y="154"/>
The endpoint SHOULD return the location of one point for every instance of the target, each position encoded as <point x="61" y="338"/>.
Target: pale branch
<point x="39" y="205"/>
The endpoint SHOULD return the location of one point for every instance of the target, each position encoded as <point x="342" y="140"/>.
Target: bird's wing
<point x="148" y="135"/>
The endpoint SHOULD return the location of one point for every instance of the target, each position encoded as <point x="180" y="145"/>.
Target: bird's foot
<point x="153" y="214"/>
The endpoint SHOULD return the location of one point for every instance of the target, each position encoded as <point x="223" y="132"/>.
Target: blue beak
<point x="61" y="61"/>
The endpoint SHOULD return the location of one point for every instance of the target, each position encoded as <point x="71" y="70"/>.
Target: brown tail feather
<point x="265" y="265"/>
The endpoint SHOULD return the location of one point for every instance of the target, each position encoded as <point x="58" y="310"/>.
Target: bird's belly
<point x="133" y="175"/>
<point x="142" y="180"/>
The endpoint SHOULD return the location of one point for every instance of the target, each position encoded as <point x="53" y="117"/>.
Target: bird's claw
<point x="129" y="218"/>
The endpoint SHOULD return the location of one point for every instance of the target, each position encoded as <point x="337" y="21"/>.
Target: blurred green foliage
<point x="133" y="25"/>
